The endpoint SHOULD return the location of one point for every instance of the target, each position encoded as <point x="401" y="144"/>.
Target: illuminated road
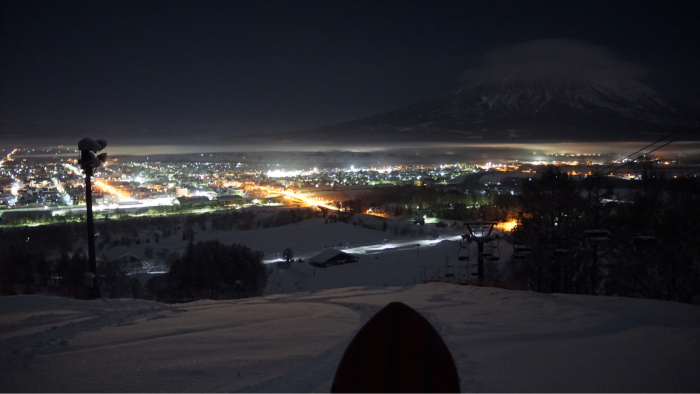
<point x="112" y="190"/>
<point x="8" y="158"/>
<point x="294" y="196"/>
<point x="307" y="200"/>
<point x="72" y="168"/>
<point x="102" y="185"/>
<point x="267" y="189"/>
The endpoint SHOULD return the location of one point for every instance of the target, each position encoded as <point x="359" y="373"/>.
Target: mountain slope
<point x="522" y="110"/>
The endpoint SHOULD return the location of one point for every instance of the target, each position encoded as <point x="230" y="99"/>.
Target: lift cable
<point x="692" y="173"/>
<point x="651" y="151"/>
<point x="650" y="145"/>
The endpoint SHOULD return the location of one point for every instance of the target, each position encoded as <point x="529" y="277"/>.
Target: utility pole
<point x="88" y="162"/>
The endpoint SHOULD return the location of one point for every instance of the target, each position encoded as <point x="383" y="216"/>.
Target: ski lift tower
<point x="595" y="238"/>
<point x="480" y="232"/>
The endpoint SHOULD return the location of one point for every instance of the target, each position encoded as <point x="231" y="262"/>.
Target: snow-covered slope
<point x="501" y="340"/>
<point x="291" y="340"/>
<point x="543" y="98"/>
<point x="511" y="109"/>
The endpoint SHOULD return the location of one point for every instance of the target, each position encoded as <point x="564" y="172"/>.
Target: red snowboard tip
<point x="398" y="350"/>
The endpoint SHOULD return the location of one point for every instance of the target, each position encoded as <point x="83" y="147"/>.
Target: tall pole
<point x="90" y="224"/>
<point x="594" y="268"/>
<point x="480" y="261"/>
<point x="88" y="161"/>
<point x="480" y="240"/>
<point x="539" y="266"/>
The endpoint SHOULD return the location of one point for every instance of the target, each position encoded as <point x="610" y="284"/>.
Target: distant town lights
<point x="282" y="173"/>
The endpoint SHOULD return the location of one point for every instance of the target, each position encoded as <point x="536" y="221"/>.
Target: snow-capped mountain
<point x="524" y="109"/>
<point x="547" y="99"/>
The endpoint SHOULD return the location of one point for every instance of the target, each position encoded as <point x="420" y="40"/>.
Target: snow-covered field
<point x="306" y="238"/>
<point x="386" y="258"/>
<point x="291" y="340"/>
<point x="501" y="340"/>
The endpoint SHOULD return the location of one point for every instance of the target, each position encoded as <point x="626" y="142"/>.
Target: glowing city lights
<point x="507" y="226"/>
<point x="112" y="190"/>
<point x="8" y="158"/>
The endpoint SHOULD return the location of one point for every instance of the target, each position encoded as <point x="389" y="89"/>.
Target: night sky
<point x="244" y="67"/>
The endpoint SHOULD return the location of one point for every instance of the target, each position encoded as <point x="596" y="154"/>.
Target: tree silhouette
<point x="210" y="269"/>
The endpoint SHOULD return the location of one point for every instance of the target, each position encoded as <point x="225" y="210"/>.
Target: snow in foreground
<point x="502" y="341"/>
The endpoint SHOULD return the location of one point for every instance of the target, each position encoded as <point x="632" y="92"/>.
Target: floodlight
<point x="92" y="145"/>
<point x="88" y="147"/>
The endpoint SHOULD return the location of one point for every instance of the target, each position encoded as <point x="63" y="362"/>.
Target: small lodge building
<point x="230" y="199"/>
<point x="194" y="202"/>
<point x="332" y="257"/>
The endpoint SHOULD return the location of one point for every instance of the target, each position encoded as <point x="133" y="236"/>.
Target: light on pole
<point x="89" y="161"/>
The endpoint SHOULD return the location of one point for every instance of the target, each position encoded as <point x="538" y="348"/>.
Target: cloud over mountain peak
<point x="555" y="60"/>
